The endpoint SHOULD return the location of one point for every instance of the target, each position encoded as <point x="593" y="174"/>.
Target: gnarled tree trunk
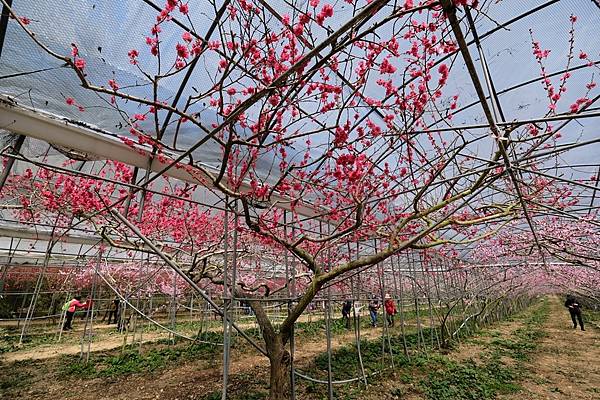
<point x="280" y="360"/>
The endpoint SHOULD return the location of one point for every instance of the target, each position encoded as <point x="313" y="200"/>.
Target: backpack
<point x="66" y="306"/>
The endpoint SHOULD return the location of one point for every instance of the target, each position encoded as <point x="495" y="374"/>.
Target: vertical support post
<point x="38" y="286"/>
<point x="288" y="282"/>
<point x="293" y="331"/>
<point x="233" y="284"/>
<point x="328" y="321"/>
<point x="425" y="275"/>
<point x="358" y="340"/>
<point x="385" y="331"/>
<point x="328" y="333"/>
<point x="226" y="333"/>
<point x="137" y="304"/>
<point x="4" y="23"/>
<point x="401" y="306"/>
<point x="9" y="164"/>
<point x="89" y="315"/>
<point x="173" y="308"/>
<point x="7" y="266"/>
<point x="413" y="270"/>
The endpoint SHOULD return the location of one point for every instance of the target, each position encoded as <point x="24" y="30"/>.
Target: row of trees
<point x="340" y="109"/>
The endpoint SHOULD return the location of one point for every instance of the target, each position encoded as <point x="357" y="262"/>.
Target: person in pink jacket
<point x="72" y="307"/>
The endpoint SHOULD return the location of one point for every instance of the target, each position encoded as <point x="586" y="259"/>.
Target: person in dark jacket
<point x="346" y="308"/>
<point x="575" y="310"/>
<point x="373" y="310"/>
<point x="113" y="311"/>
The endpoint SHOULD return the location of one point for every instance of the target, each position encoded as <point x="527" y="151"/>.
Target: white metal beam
<point x="20" y="232"/>
<point x="63" y="132"/>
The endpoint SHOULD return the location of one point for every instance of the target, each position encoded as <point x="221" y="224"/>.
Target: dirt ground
<point x="188" y="380"/>
<point x="71" y="341"/>
<point x="567" y="364"/>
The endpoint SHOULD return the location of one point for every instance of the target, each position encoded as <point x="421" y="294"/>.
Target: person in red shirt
<point x="71" y="307"/>
<point x="390" y="310"/>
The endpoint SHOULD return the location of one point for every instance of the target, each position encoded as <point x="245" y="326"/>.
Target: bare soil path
<point x="71" y="344"/>
<point x="567" y="364"/>
<point x="102" y="340"/>
<point x="186" y="380"/>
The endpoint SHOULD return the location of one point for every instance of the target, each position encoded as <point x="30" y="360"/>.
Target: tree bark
<point x="279" y="357"/>
<point x="280" y="360"/>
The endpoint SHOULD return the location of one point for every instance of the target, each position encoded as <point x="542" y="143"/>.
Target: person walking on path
<point x="70" y="307"/>
<point x="373" y="310"/>
<point x="113" y="311"/>
<point x="390" y="310"/>
<point x="575" y="311"/>
<point x="346" y="308"/>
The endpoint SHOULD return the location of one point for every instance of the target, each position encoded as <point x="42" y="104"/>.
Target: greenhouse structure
<point x="300" y="199"/>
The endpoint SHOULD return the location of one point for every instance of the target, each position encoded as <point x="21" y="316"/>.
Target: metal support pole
<point x="16" y="148"/>
<point x="412" y="268"/>
<point x="401" y="306"/>
<point x="226" y="302"/>
<point x="38" y="286"/>
<point x="172" y="264"/>
<point x="328" y="323"/>
<point x="289" y="308"/>
<point x="89" y="316"/>
<point x="4" y="22"/>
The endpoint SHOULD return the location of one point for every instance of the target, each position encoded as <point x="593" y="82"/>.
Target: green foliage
<point x="472" y="381"/>
<point x="213" y="396"/>
<point x="436" y="375"/>
<point x="9" y="337"/>
<point x="6" y="343"/>
<point x="14" y="379"/>
<point x="132" y="361"/>
<point x="5" y="308"/>
<point x="468" y="381"/>
<point x="593" y="316"/>
<point x="77" y="368"/>
<point x="526" y="339"/>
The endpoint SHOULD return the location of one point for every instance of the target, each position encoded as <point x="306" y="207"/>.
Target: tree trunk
<point x="279" y="357"/>
<point x="280" y="361"/>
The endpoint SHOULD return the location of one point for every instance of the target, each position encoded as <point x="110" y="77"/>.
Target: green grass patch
<point x="14" y="380"/>
<point x="468" y="381"/>
<point x="132" y="361"/>
<point x="431" y="373"/>
<point x="9" y="337"/>
<point x="487" y="379"/>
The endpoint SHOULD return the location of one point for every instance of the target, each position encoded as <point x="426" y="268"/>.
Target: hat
<point x="387" y="296"/>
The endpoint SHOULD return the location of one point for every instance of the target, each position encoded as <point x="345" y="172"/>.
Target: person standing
<point x="113" y="311"/>
<point x="70" y="307"/>
<point x="346" y="308"/>
<point x="373" y="310"/>
<point x="390" y="310"/>
<point x="575" y="310"/>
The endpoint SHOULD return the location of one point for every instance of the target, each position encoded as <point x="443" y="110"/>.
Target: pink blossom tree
<point x="329" y="134"/>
